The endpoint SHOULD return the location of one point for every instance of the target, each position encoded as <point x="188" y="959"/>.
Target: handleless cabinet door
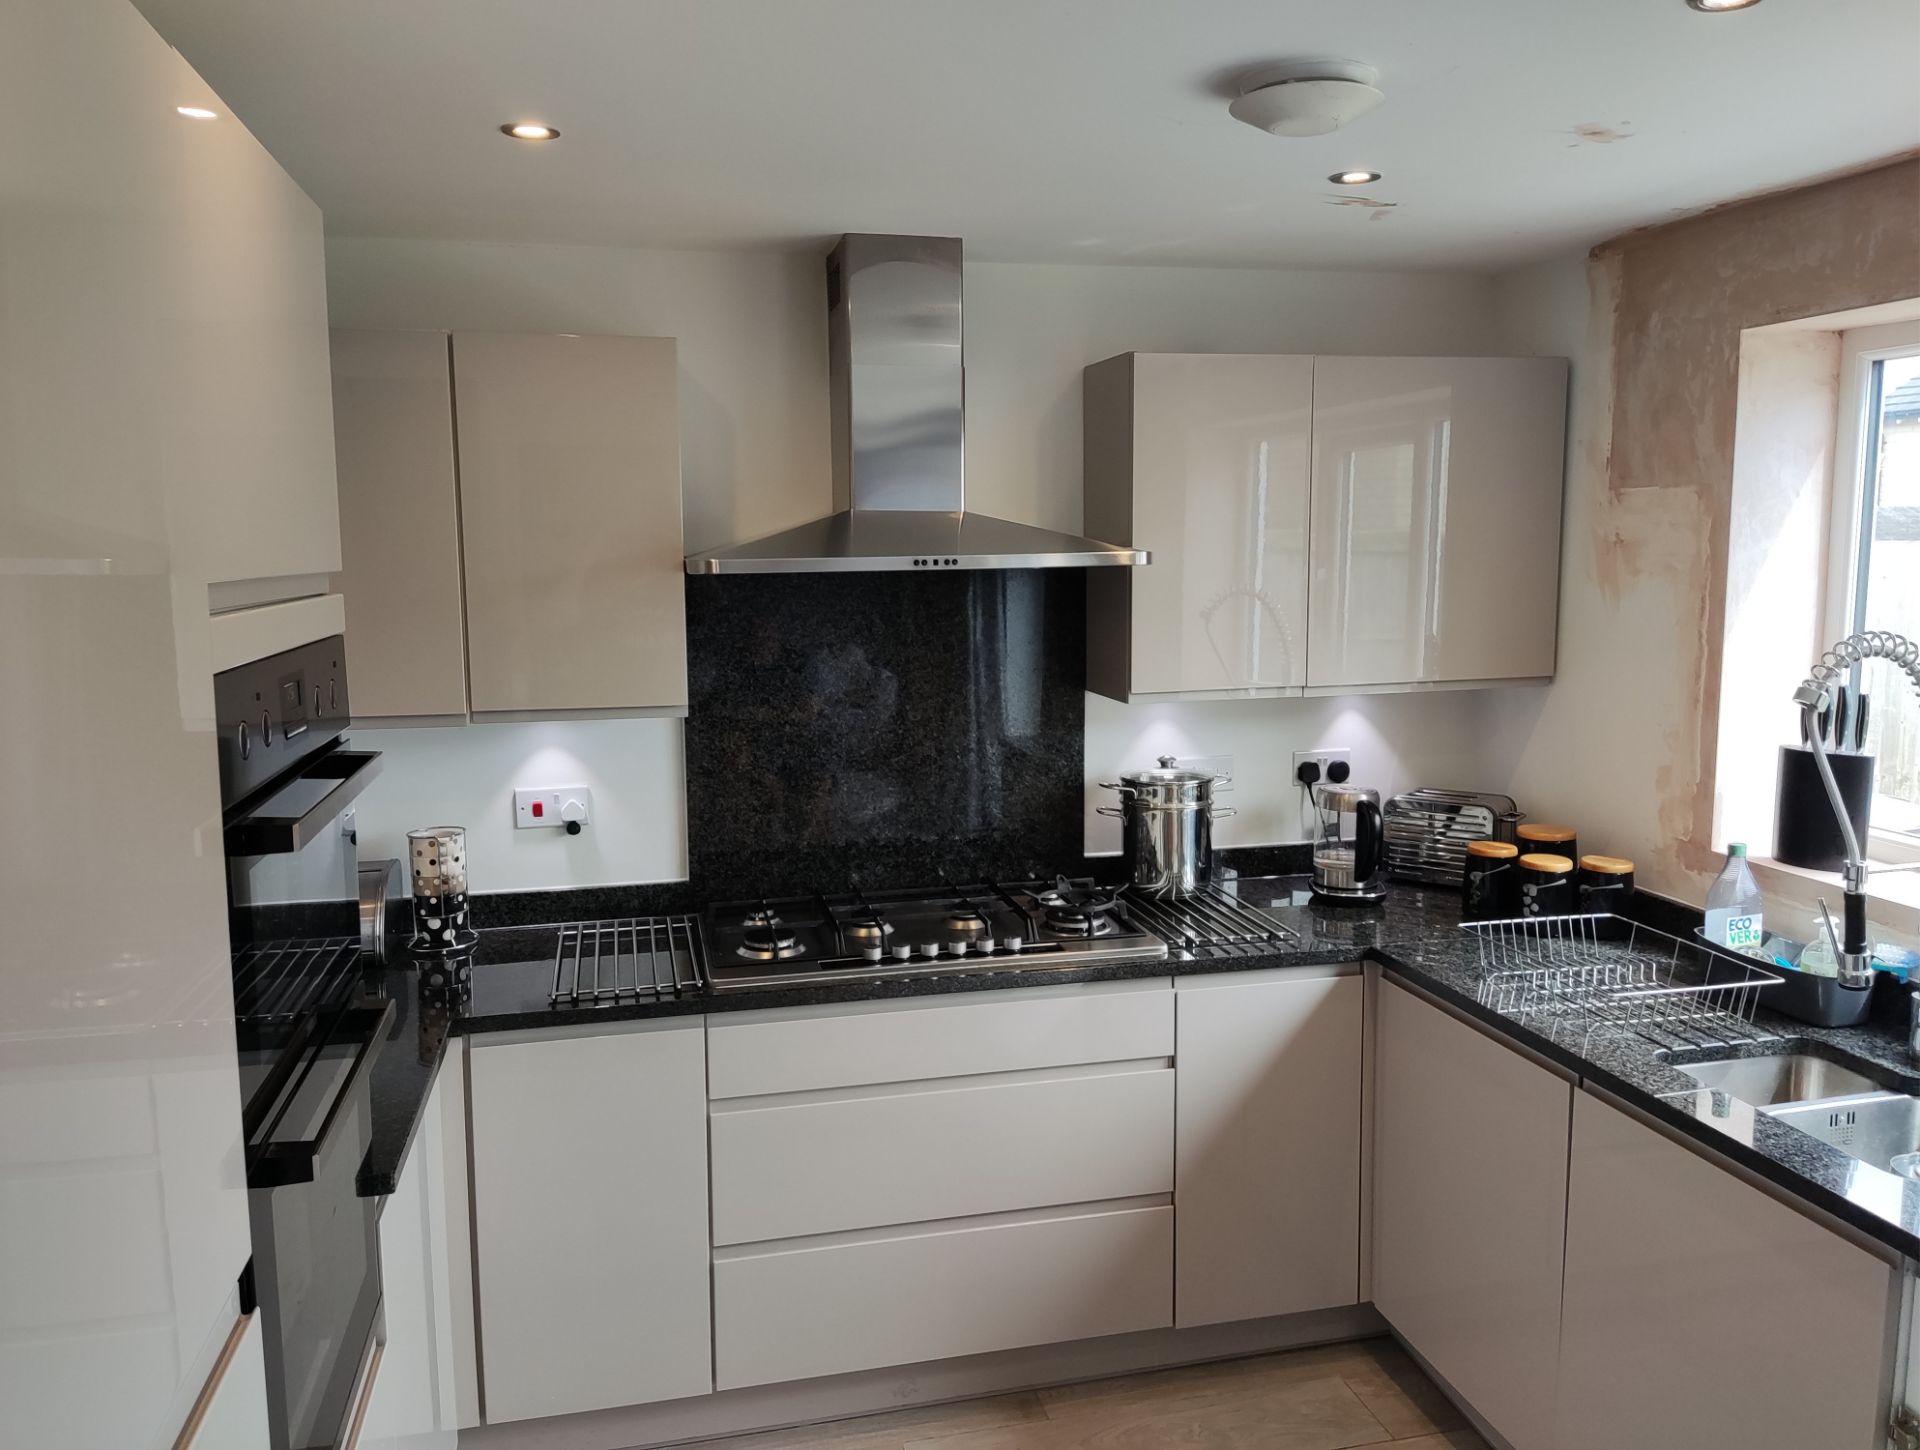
<point x="1203" y="460"/>
<point x="570" y="498"/>
<point x="1436" y="518"/>
<point x="1699" y="1311"/>
<point x="399" y="522"/>
<point x="1469" y="1210"/>
<point x="1267" y="1168"/>
<point x="411" y="1405"/>
<point x="590" y="1220"/>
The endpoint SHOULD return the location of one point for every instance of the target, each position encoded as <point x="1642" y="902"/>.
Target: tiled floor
<point x="1324" y="1398"/>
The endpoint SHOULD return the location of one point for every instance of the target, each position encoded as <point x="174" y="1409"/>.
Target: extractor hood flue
<point x="898" y="382"/>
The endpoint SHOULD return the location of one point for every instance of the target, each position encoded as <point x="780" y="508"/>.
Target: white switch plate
<point x="552" y="800"/>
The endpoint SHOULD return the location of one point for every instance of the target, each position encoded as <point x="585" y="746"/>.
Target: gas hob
<point x="981" y="926"/>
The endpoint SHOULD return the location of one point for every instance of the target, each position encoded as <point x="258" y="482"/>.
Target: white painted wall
<point x="752" y="331"/>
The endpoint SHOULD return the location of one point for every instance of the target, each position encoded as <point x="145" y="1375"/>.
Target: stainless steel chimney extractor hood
<point x="898" y="383"/>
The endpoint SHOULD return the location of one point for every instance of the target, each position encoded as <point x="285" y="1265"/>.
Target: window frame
<point x="1856" y="423"/>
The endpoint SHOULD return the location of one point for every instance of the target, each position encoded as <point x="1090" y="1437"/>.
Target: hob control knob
<point x="958" y="948"/>
<point x="930" y="949"/>
<point x="901" y="951"/>
<point x="1013" y="943"/>
<point x="872" y="954"/>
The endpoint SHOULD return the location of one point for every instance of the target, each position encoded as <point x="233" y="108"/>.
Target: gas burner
<point x="762" y="916"/>
<point x="867" y="929"/>
<point x="765" y="942"/>
<point x="966" y="918"/>
<point x="1067" y="919"/>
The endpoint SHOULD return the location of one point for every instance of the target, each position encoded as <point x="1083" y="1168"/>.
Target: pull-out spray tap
<point x="1855" y="955"/>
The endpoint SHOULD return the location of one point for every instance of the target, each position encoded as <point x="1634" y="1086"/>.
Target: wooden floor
<point x="1324" y="1398"/>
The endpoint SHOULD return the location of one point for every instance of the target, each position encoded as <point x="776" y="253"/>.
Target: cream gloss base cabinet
<point x="1701" y="1311"/>
<point x="1470" y="1211"/>
<point x="1268" y="1143"/>
<point x="590" y="1250"/>
<point x="1435" y="544"/>
<point x="1203" y="459"/>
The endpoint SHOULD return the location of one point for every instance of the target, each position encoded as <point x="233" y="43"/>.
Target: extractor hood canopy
<point x="898" y="385"/>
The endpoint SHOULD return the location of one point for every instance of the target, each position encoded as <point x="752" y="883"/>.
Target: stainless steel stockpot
<point x="1166" y="825"/>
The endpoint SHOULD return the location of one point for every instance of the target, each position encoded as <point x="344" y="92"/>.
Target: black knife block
<point x="1804" y="830"/>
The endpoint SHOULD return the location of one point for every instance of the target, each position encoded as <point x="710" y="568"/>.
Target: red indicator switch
<point x="538" y="809"/>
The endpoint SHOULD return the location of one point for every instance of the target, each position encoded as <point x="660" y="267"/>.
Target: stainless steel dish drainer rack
<point x="1601" y="974"/>
<point x="604" y="962"/>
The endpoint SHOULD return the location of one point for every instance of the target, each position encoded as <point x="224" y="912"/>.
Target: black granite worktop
<point x="1415" y="935"/>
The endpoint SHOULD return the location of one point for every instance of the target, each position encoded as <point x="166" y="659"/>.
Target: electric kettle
<point x="1349" y="844"/>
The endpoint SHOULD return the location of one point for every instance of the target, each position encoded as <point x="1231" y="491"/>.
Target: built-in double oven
<point x="307" y="1034"/>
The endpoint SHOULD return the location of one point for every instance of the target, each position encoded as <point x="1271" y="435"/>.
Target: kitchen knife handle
<point x="1840" y="717"/>
<point x="1860" y="722"/>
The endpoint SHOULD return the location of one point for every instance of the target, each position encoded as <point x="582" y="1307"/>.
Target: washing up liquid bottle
<point x="1733" y="904"/>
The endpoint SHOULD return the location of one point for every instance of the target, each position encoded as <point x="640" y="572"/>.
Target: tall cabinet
<point x="510" y="511"/>
<point x="1322" y="524"/>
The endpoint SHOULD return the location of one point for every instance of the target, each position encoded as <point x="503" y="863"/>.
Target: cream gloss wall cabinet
<point x="1701" y="1311"/>
<point x="1435" y="554"/>
<point x="1469" y="1211"/>
<point x="1204" y="459"/>
<point x="1323" y="524"/>
<point x="1267" y="1170"/>
<point x="589" y="1156"/>
<point x="512" y="524"/>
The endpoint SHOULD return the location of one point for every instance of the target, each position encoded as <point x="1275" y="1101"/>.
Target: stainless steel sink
<point x="1783" y="1078"/>
<point x="1874" y="1129"/>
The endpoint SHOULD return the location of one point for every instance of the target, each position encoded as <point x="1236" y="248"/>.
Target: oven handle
<point x="260" y="834"/>
<point x="280" y="1162"/>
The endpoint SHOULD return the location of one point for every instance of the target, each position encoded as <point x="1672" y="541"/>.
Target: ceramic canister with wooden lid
<point x="1546" y="884"/>
<point x="1490" y="881"/>
<point x="1540" y="836"/>
<point x="1602" y="884"/>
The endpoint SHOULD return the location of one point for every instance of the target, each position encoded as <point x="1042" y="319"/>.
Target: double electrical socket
<point x="1321" y="758"/>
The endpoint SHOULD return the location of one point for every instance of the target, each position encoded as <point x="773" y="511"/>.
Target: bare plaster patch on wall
<point x="1685" y="293"/>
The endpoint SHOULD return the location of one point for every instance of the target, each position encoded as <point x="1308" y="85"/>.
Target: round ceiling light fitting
<point x="1354" y="178"/>
<point x="530" y="131"/>
<point x="1717" y="7"/>
<point x="1306" y="97"/>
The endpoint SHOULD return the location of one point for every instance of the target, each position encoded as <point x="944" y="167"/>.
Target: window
<point x="1874" y="575"/>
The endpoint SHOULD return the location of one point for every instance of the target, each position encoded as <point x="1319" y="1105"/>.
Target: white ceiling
<point x="1050" y="130"/>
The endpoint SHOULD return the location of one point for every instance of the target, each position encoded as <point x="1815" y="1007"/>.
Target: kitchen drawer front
<point x="791" y="1168"/>
<point x="857" y="1302"/>
<point x="804" y="1049"/>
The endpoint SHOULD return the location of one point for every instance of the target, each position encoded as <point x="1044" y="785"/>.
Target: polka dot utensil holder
<point x="438" y="858"/>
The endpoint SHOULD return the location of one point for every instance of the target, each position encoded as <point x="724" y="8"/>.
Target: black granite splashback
<point x="882" y="728"/>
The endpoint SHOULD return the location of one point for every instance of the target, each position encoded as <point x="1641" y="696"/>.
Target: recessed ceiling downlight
<point x="1306" y="97"/>
<point x="197" y="113"/>
<point x="1354" y="178"/>
<point x="1715" y="7"/>
<point x="530" y="131"/>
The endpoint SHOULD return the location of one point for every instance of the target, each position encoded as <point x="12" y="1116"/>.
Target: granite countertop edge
<point x="1424" y="948"/>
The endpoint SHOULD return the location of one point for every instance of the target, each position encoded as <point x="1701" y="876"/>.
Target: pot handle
<point x="1113" y="785"/>
<point x="1113" y="811"/>
<point x="1218" y="811"/>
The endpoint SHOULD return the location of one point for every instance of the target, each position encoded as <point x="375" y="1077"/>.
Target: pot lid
<point x="1169" y="774"/>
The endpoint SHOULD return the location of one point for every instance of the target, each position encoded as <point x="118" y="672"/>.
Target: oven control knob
<point x="1012" y="943"/>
